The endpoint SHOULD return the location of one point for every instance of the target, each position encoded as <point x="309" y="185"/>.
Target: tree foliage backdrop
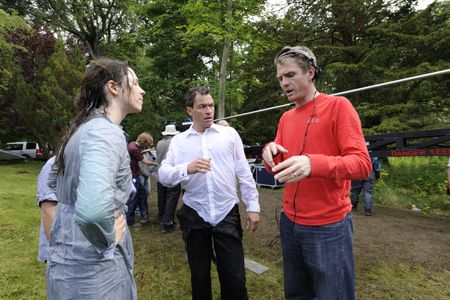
<point x="228" y="47"/>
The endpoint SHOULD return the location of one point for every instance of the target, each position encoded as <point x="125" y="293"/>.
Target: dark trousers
<point x="140" y="199"/>
<point x="167" y="203"/>
<point x="225" y="240"/>
<point x="366" y="187"/>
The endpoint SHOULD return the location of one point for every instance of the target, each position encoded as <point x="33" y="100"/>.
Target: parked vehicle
<point x="29" y="150"/>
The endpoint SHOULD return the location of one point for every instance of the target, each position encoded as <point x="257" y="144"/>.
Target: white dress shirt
<point x="214" y="193"/>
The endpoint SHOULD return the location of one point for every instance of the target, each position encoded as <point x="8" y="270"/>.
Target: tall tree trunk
<point x="224" y="61"/>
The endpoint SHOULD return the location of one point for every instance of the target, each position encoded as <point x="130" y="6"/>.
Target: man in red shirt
<point x="319" y="148"/>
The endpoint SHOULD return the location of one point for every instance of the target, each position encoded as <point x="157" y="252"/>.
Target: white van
<point x="29" y="150"/>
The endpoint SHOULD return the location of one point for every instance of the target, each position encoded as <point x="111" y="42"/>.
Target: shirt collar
<point x="215" y="127"/>
<point x="99" y="114"/>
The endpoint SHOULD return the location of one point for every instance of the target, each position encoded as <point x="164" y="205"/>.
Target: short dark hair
<point x="190" y="95"/>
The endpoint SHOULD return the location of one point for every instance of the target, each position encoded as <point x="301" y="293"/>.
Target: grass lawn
<point x="161" y="269"/>
<point x="21" y="275"/>
<point x="388" y="266"/>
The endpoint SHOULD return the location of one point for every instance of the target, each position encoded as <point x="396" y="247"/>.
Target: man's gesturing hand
<point x="201" y="164"/>
<point x="270" y="151"/>
<point x="293" y="169"/>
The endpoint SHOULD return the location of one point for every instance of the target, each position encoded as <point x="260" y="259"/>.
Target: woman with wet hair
<point x="91" y="254"/>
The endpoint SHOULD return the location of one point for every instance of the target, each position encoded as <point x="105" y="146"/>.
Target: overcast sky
<point x="424" y="3"/>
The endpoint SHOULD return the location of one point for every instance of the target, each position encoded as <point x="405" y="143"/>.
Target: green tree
<point x="8" y="65"/>
<point x="169" y="67"/>
<point x="33" y="47"/>
<point x="8" y="68"/>
<point x="13" y="6"/>
<point x="38" y="101"/>
<point x="359" y="43"/>
<point x="416" y="44"/>
<point x="96" y="23"/>
<point x="221" y="27"/>
<point x="261" y="87"/>
<point x="60" y="81"/>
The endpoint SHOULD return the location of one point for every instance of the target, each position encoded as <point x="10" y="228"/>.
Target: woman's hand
<point x="119" y="225"/>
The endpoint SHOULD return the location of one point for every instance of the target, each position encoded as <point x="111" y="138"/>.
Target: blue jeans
<point x="318" y="260"/>
<point x="139" y="200"/>
<point x="145" y="181"/>
<point x="365" y="186"/>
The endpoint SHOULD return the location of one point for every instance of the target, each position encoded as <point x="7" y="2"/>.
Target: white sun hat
<point x="170" y="130"/>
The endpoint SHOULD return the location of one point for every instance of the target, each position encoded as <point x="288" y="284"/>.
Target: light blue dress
<point x="83" y="261"/>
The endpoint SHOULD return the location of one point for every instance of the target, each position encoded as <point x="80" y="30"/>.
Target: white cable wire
<point x="447" y="71"/>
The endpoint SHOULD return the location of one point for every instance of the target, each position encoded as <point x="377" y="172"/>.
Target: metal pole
<point x="447" y="71"/>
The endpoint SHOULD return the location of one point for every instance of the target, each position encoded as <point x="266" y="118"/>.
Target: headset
<point x="317" y="73"/>
<point x="317" y="69"/>
<point x="302" y="150"/>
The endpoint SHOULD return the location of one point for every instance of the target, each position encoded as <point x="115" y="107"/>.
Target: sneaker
<point x="368" y="212"/>
<point x="136" y="225"/>
<point x="145" y="220"/>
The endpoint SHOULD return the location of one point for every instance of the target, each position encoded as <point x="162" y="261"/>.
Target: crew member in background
<point x="167" y="196"/>
<point x="144" y="141"/>
<point x="366" y="187"/>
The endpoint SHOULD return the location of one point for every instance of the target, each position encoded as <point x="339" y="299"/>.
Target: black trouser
<point x="167" y="202"/>
<point x="226" y="240"/>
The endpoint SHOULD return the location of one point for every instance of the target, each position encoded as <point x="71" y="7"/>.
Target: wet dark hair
<point x="92" y="96"/>
<point x="190" y="95"/>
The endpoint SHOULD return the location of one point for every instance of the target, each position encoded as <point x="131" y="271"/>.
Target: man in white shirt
<point x="208" y="160"/>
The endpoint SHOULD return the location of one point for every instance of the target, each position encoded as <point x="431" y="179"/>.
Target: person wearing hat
<point x="167" y="196"/>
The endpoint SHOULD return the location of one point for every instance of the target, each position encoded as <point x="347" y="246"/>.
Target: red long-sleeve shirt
<point x="337" y="150"/>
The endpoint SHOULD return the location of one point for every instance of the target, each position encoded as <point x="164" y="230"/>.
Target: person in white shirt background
<point x="208" y="160"/>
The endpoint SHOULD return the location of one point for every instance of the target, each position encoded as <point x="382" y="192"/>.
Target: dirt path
<point x="388" y="235"/>
<point x="391" y="234"/>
